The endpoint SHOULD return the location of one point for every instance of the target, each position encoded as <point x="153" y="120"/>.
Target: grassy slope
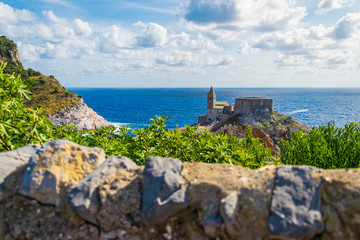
<point x="48" y="93"/>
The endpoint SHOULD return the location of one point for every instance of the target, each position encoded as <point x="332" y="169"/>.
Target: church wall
<point x="247" y="105"/>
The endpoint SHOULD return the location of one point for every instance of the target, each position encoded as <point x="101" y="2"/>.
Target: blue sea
<point x="308" y="106"/>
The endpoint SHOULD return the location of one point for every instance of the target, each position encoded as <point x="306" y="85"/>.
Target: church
<point x="219" y="110"/>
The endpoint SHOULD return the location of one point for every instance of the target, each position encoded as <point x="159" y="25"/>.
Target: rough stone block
<point x="53" y="165"/>
<point x="296" y="204"/>
<point x="28" y="219"/>
<point x="120" y="198"/>
<point x="84" y="198"/>
<point x="340" y="206"/>
<point x="240" y="196"/>
<point x="9" y="161"/>
<point x="163" y="195"/>
<point x="229" y="206"/>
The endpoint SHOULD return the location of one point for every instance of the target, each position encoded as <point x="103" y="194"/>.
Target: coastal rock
<point x="280" y="127"/>
<point x="53" y="165"/>
<point x="83" y="117"/>
<point x="258" y="115"/>
<point x="296" y="204"/>
<point x="163" y="195"/>
<point x="14" y="56"/>
<point x="9" y="161"/>
<point x="240" y="132"/>
<point x="85" y="198"/>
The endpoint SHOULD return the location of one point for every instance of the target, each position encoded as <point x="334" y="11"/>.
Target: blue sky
<point x="193" y="43"/>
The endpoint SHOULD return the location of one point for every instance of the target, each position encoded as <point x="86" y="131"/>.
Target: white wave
<point x="298" y="111"/>
<point x="119" y="124"/>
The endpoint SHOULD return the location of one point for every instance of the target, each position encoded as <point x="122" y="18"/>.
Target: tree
<point x="19" y="125"/>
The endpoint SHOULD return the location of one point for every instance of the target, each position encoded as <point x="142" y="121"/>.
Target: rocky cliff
<point x="83" y="117"/>
<point x="271" y="128"/>
<point x="66" y="191"/>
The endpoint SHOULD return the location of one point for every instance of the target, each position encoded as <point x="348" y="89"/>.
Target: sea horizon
<point x="310" y="106"/>
<point x="69" y="88"/>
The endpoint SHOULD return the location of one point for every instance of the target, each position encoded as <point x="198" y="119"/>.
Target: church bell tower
<point x="211" y="100"/>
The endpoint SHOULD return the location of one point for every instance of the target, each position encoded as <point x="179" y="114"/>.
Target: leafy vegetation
<point x="188" y="145"/>
<point x="19" y="125"/>
<point x="325" y="147"/>
<point x="46" y="91"/>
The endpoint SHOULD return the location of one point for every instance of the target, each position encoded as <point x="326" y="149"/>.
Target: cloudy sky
<point x="189" y="43"/>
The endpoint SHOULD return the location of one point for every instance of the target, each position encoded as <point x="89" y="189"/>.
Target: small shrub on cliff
<point x="325" y="147"/>
<point x="19" y="125"/>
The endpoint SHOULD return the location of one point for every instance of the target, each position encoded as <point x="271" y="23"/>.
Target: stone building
<point x="219" y="110"/>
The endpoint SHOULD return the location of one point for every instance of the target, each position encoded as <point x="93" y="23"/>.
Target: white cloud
<point x="82" y="28"/>
<point x="204" y="12"/>
<point x="347" y="26"/>
<point x="176" y="59"/>
<point x="246" y="48"/>
<point x="221" y="35"/>
<point x="66" y="49"/>
<point x="220" y="61"/>
<point x="141" y="64"/>
<point x="328" y="5"/>
<point x="29" y="51"/>
<point x="52" y="17"/>
<point x="104" y="68"/>
<point x="9" y="15"/>
<point x="152" y="35"/>
<point x="203" y="44"/>
<point x="237" y="15"/>
<point x="314" y="47"/>
<point x="57" y="31"/>
<point x="117" y="38"/>
<point x="60" y="29"/>
<point x="181" y="39"/>
<point x="44" y="32"/>
<point x="60" y="38"/>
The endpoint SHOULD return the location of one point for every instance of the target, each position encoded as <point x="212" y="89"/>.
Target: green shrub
<point x="42" y="80"/>
<point x="325" y="147"/>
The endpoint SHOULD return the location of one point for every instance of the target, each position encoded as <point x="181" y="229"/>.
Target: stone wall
<point x="67" y="191"/>
<point x="229" y="109"/>
<point x="202" y="119"/>
<point x="246" y="105"/>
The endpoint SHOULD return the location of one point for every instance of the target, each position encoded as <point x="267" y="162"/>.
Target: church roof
<point x="212" y="90"/>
